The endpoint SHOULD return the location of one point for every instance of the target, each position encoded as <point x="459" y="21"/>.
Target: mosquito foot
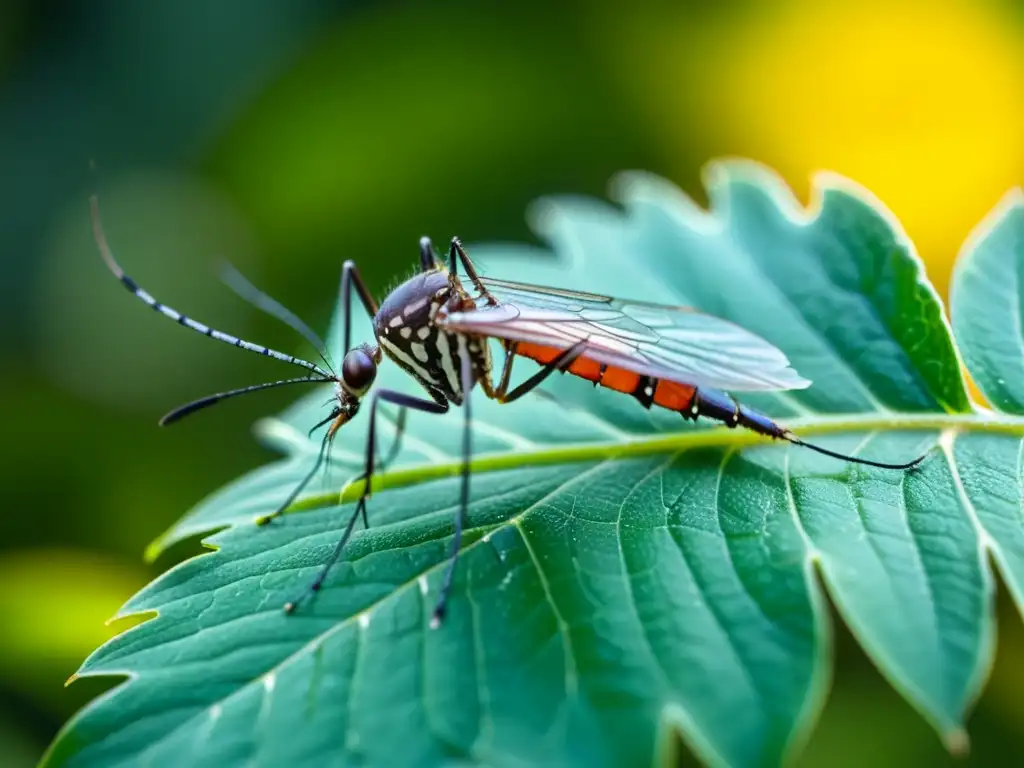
<point x="438" y="617"/>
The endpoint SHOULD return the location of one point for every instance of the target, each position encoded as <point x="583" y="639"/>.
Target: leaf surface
<point x="986" y="297"/>
<point x="626" y="575"/>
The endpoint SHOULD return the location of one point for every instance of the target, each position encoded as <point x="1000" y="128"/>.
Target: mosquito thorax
<point x="407" y="331"/>
<point x="412" y="304"/>
<point x="404" y="324"/>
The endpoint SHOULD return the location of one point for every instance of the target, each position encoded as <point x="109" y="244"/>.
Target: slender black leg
<point x="302" y="484"/>
<point x="457" y="252"/>
<point x="506" y="369"/>
<point x="460" y="516"/>
<point x="389" y="396"/>
<point x="397" y="444"/>
<point x="395" y="447"/>
<point x="350" y="278"/>
<point x="327" y="459"/>
<point x="560" y="363"/>
<point x="428" y="261"/>
<point x="495" y="391"/>
<point x="315" y="585"/>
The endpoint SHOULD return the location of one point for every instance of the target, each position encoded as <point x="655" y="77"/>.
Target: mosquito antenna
<point x="133" y="287"/>
<point x="204" y="402"/>
<point x="240" y="284"/>
<point x="855" y="459"/>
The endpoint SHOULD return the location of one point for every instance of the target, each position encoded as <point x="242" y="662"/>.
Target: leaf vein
<point x="571" y="668"/>
<point x="347" y="621"/>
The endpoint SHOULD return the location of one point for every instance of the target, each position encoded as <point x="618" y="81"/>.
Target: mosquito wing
<point x="674" y="343"/>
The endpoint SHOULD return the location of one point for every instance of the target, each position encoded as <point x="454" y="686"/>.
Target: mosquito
<point x="437" y="326"/>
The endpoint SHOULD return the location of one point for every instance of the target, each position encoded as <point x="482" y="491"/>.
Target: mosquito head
<point x="358" y="370"/>
<point x="346" y="406"/>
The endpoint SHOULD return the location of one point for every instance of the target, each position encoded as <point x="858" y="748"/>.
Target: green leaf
<point x="627" y="576"/>
<point x="985" y="304"/>
<point x="986" y="298"/>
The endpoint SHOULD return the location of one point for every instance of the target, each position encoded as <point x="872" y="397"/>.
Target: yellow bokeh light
<point x="923" y="103"/>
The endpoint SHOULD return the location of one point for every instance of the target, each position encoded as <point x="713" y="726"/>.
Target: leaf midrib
<point x="675" y="442"/>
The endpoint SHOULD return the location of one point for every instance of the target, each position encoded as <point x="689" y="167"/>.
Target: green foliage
<point x="985" y="304"/>
<point x="627" y="576"/>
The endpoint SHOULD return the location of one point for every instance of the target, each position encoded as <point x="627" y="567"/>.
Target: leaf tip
<point x="155" y="548"/>
<point x="1015" y="197"/>
<point x="957" y="742"/>
<point x="727" y="168"/>
<point x="633" y="189"/>
<point x="70" y="680"/>
<point x="825" y="183"/>
<point x="723" y="177"/>
<point x="1010" y="204"/>
<point x="544" y="216"/>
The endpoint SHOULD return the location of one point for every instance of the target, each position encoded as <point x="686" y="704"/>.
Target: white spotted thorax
<point x="407" y="333"/>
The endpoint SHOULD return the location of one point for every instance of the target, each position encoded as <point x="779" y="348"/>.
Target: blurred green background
<point x="288" y="136"/>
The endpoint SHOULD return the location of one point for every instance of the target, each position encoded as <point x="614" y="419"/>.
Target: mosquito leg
<point x="460" y="517"/>
<point x="404" y="402"/>
<point x="315" y="585"/>
<point x="456" y="251"/>
<point x="350" y="278"/>
<point x="397" y="444"/>
<point x="302" y="484"/>
<point x="395" y="447"/>
<point x="506" y="369"/>
<point x="428" y="261"/>
<point x="399" y="423"/>
<point x="438" y="405"/>
<point x="488" y="386"/>
<point x="560" y="363"/>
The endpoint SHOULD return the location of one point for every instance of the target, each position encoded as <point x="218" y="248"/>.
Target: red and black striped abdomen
<point x="685" y="399"/>
<point x="646" y="389"/>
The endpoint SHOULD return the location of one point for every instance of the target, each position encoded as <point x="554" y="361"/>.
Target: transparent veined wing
<point x="674" y="343"/>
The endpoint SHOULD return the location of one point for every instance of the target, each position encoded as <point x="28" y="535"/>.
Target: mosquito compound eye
<point x="358" y="371"/>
